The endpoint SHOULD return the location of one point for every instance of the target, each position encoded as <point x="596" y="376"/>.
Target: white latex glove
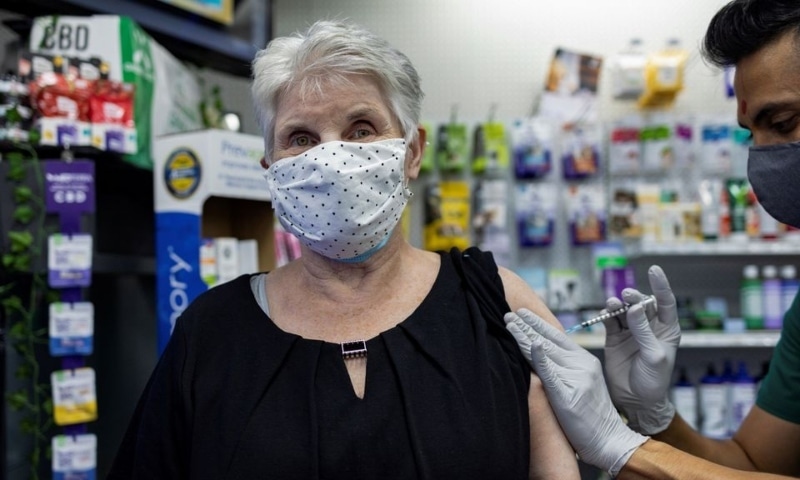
<point x="640" y="355"/>
<point x="573" y="382"/>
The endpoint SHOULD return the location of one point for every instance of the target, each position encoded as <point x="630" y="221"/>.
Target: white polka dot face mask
<point x="341" y="199"/>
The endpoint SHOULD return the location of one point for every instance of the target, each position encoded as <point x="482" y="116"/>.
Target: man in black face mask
<point x="761" y="38"/>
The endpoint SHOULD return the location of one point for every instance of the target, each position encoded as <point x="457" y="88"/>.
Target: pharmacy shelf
<point x="753" y="339"/>
<point x="732" y="248"/>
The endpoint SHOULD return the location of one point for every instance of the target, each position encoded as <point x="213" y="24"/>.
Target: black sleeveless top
<point x="235" y="397"/>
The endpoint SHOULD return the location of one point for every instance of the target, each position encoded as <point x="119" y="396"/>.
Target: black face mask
<point x="774" y="173"/>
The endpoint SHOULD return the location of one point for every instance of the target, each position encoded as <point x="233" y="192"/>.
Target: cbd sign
<point x="69" y="196"/>
<point x="65" y="36"/>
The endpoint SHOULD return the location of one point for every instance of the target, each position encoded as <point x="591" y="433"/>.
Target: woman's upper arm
<point x="551" y="454"/>
<point x="520" y="295"/>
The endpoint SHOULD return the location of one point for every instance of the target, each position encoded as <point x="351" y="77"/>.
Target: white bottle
<point x="743" y="397"/>
<point x="771" y="289"/>
<point x="713" y="405"/>
<point x="684" y="397"/>
<point x="790" y="285"/>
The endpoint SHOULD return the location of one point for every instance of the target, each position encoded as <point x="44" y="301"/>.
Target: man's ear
<point x="415" y="153"/>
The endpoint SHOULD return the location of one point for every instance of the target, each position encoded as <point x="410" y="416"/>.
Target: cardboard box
<point x="208" y="184"/>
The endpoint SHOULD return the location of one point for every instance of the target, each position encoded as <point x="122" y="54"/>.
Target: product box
<point x="167" y="94"/>
<point x="208" y="184"/>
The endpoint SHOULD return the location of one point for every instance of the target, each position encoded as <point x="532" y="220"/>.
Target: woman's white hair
<point x="329" y="51"/>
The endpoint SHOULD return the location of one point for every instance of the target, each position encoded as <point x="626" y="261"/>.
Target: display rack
<point x="207" y="184"/>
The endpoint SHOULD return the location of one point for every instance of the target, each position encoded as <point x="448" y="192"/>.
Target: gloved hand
<point x="573" y="382"/>
<point x="640" y="355"/>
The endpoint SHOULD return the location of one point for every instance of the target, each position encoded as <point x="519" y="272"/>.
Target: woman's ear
<point x="415" y="152"/>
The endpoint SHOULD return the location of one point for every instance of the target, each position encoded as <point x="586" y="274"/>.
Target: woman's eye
<point x="301" y="141"/>
<point x="363" y="130"/>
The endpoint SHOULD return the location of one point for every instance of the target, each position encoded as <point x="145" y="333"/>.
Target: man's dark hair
<point x="744" y="26"/>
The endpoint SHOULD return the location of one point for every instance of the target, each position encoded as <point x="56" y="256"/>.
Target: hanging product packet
<point x="624" y="149"/>
<point x="587" y="214"/>
<point x="536" y="212"/>
<point x="531" y="147"/>
<point x="489" y="222"/>
<point x="74" y="457"/>
<point x="428" y="157"/>
<point x="664" y="72"/>
<point x="564" y="290"/>
<point x="491" y="208"/>
<point x="490" y="148"/>
<point x="71" y="328"/>
<point x="452" y="147"/>
<point x="627" y="72"/>
<point x="74" y="396"/>
<point x="581" y="152"/>
<point x="657" y="153"/>
<point x="716" y="148"/>
<point x="69" y="260"/>
<point x="624" y="218"/>
<point x="683" y="148"/>
<point x="447" y="216"/>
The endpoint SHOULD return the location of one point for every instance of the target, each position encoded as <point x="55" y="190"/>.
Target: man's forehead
<point x="767" y="75"/>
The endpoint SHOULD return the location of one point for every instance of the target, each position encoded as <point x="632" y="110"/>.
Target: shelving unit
<point x="186" y="36"/>
<point x="698" y="339"/>
<point x="721" y="248"/>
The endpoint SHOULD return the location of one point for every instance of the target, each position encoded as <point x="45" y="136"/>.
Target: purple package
<point x="614" y="280"/>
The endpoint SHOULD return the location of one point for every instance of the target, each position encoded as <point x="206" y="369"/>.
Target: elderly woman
<point x="366" y="357"/>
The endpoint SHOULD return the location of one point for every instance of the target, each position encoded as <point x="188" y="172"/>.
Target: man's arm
<point x="656" y="460"/>
<point x="764" y="442"/>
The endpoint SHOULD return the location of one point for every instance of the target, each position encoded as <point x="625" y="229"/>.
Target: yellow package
<point x="74" y="397"/>
<point x="663" y="75"/>
<point x="447" y="214"/>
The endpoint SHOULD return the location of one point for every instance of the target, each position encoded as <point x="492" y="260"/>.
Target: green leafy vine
<point x="23" y="290"/>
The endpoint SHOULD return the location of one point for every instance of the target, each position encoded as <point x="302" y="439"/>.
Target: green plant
<point x="23" y="289"/>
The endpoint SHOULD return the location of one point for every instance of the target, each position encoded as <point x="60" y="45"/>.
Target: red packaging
<point x="112" y="103"/>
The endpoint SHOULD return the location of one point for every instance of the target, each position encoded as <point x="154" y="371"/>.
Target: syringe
<point x="625" y="307"/>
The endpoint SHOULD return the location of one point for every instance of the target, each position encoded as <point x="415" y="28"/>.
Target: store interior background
<point x="472" y="54"/>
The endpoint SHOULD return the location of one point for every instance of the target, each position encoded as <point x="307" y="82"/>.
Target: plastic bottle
<point x="768" y="225"/>
<point x="684" y="397"/>
<point x="751" y="299"/>
<point x="713" y="394"/>
<point x="790" y="285"/>
<point x="727" y="377"/>
<point x="743" y="396"/>
<point x="771" y="288"/>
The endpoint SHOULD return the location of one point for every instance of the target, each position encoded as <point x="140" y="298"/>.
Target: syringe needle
<point x="625" y="307"/>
